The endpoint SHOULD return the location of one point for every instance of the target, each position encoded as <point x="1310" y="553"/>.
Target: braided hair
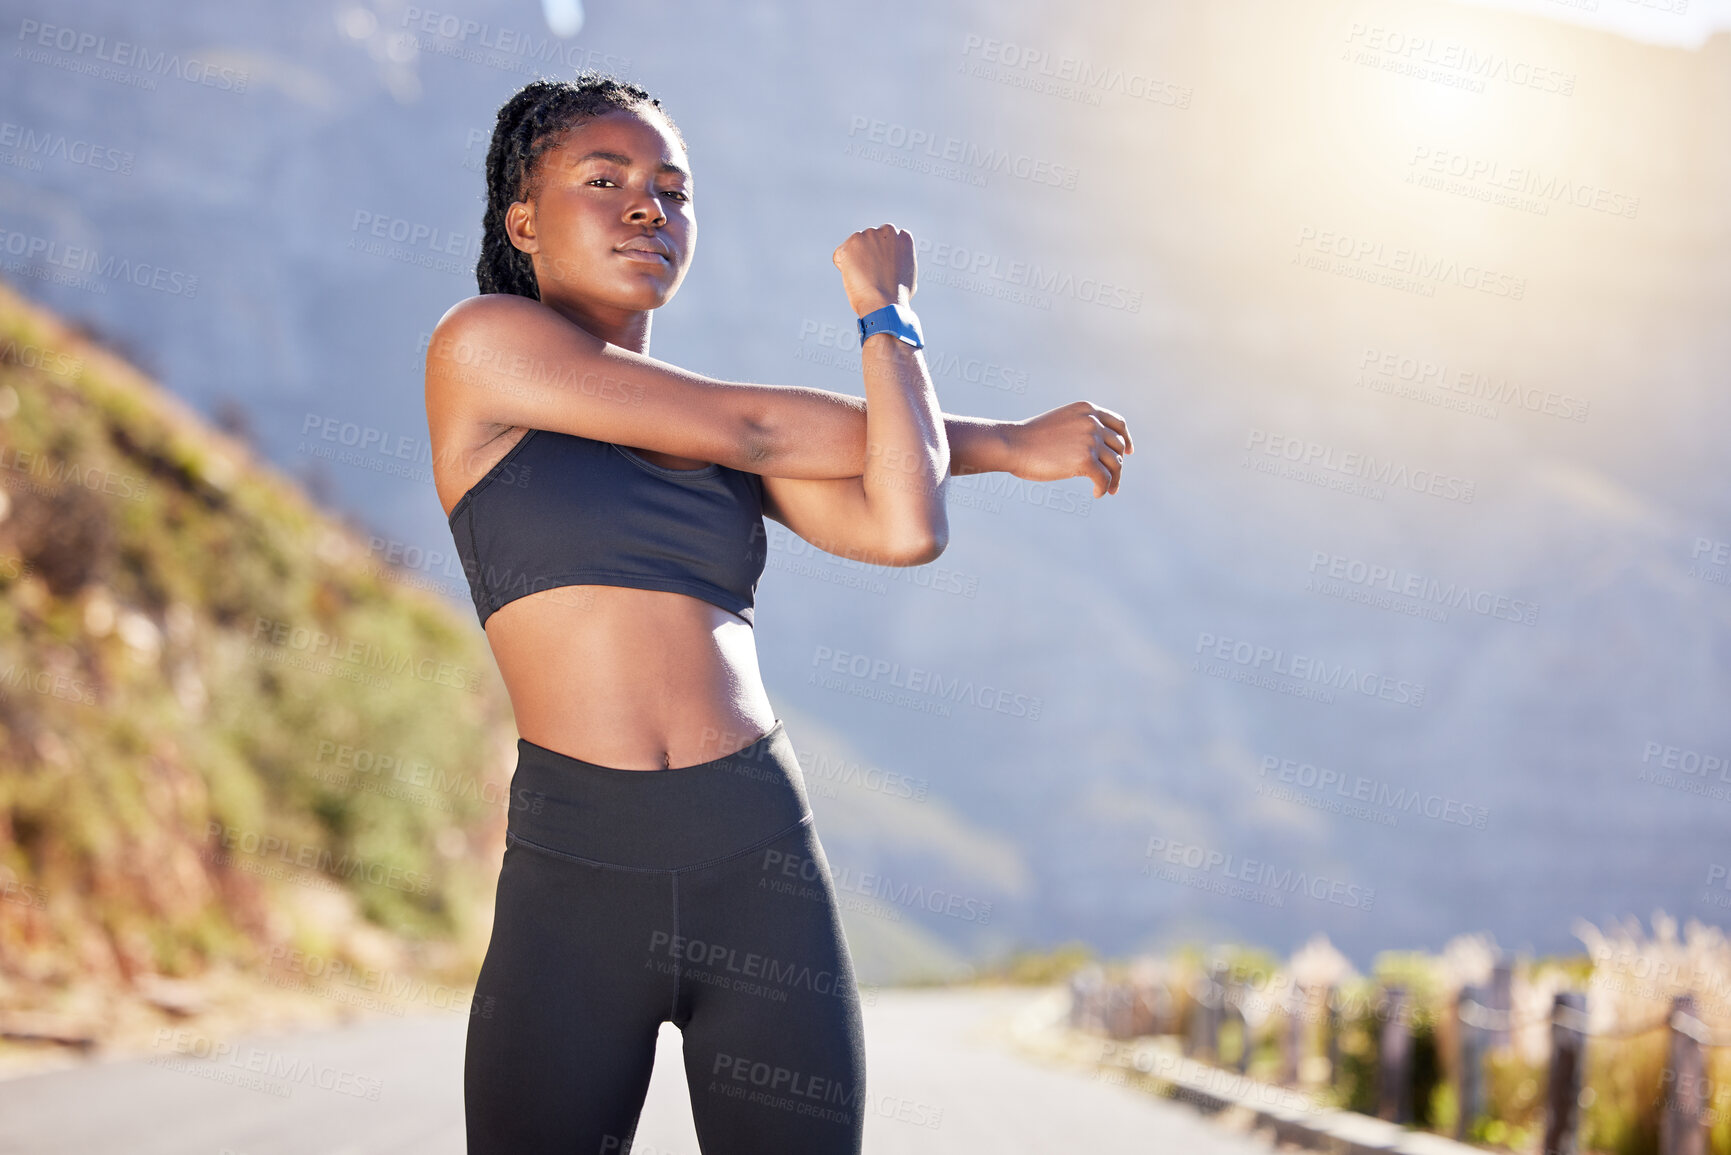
<point x="530" y="123"/>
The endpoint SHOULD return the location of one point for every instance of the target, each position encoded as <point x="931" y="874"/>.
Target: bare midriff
<point x="628" y="678"/>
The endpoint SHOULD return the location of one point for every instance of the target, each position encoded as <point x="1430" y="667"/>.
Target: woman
<point x="660" y="861"/>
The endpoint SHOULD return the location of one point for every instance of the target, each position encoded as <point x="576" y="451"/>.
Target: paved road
<point x="390" y="1086"/>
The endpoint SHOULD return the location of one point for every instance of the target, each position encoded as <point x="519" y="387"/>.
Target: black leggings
<point x="698" y="895"/>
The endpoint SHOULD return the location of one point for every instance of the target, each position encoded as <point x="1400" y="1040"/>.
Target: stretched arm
<point x="1074" y="440"/>
<point x="979" y="444"/>
<point x="900" y="503"/>
<point x="503" y="360"/>
<point x="816" y="433"/>
<point x="862" y="480"/>
<point x="819" y="433"/>
<point x="839" y="471"/>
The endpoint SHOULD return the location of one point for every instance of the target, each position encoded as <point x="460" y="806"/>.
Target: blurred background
<point x="1411" y="620"/>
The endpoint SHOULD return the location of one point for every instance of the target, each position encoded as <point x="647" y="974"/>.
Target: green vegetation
<point x="225" y="733"/>
<point x="1038" y="968"/>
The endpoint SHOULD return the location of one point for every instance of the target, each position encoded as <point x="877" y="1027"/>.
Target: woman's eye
<point x="683" y="197"/>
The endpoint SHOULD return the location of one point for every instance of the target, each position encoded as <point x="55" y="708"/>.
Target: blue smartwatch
<point x="896" y="319"/>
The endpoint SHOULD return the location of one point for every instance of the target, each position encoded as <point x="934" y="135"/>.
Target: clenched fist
<point x="877" y="268"/>
<point x="1076" y="440"/>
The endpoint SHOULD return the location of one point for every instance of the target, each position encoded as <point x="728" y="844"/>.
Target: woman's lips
<point x="642" y="255"/>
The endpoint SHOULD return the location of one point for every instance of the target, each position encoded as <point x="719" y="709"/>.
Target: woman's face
<point x="605" y="201"/>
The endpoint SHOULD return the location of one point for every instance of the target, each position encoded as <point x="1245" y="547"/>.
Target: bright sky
<point x="1681" y="23"/>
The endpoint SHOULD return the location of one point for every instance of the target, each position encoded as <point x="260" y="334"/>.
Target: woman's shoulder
<point x="490" y="327"/>
<point x="486" y="309"/>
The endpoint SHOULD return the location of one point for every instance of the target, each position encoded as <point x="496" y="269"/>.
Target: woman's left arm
<point x="979" y="444"/>
<point x="816" y="434"/>
<point x="1074" y="440"/>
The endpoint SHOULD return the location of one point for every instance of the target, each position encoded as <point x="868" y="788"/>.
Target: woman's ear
<point x="520" y="227"/>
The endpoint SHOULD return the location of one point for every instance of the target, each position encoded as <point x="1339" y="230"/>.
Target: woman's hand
<point x="877" y="268"/>
<point x="1075" y="440"/>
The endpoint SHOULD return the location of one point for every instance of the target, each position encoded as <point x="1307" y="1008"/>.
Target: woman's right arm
<point x="509" y="360"/>
<point x="501" y="359"/>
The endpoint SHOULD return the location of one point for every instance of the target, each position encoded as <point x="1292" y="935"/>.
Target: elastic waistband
<point x="658" y="819"/>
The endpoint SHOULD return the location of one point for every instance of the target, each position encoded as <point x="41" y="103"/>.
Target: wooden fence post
<point x="1468" y="1007"/>
<point x="1563" y="1089"/>
<point x="1331" y="1028"/>
<point x="1087" y="996"/>
<point x="1500" y="1001"/>
<point x="1222" y="990"/>
<point x="1243" y="1033"/>
<point x="1214" y="1010"/>
<point x="1292" y="1041"/>
<point x="1116" y="1010"/>
<point x="1682" y="1118"/>
<point x="1144" y="1007"/>
<point x="1202" y="1036"/>
<point x="1232" y="995"/>
<point x="1394" y="1059"/>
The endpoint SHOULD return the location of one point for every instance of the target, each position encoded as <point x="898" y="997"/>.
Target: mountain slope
<point x="226" y="735"/>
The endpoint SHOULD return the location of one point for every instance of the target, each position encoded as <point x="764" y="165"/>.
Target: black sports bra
<point x="560" y="510"/>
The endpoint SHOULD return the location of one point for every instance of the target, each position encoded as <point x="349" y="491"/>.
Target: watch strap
<point x="896" y="319"/>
